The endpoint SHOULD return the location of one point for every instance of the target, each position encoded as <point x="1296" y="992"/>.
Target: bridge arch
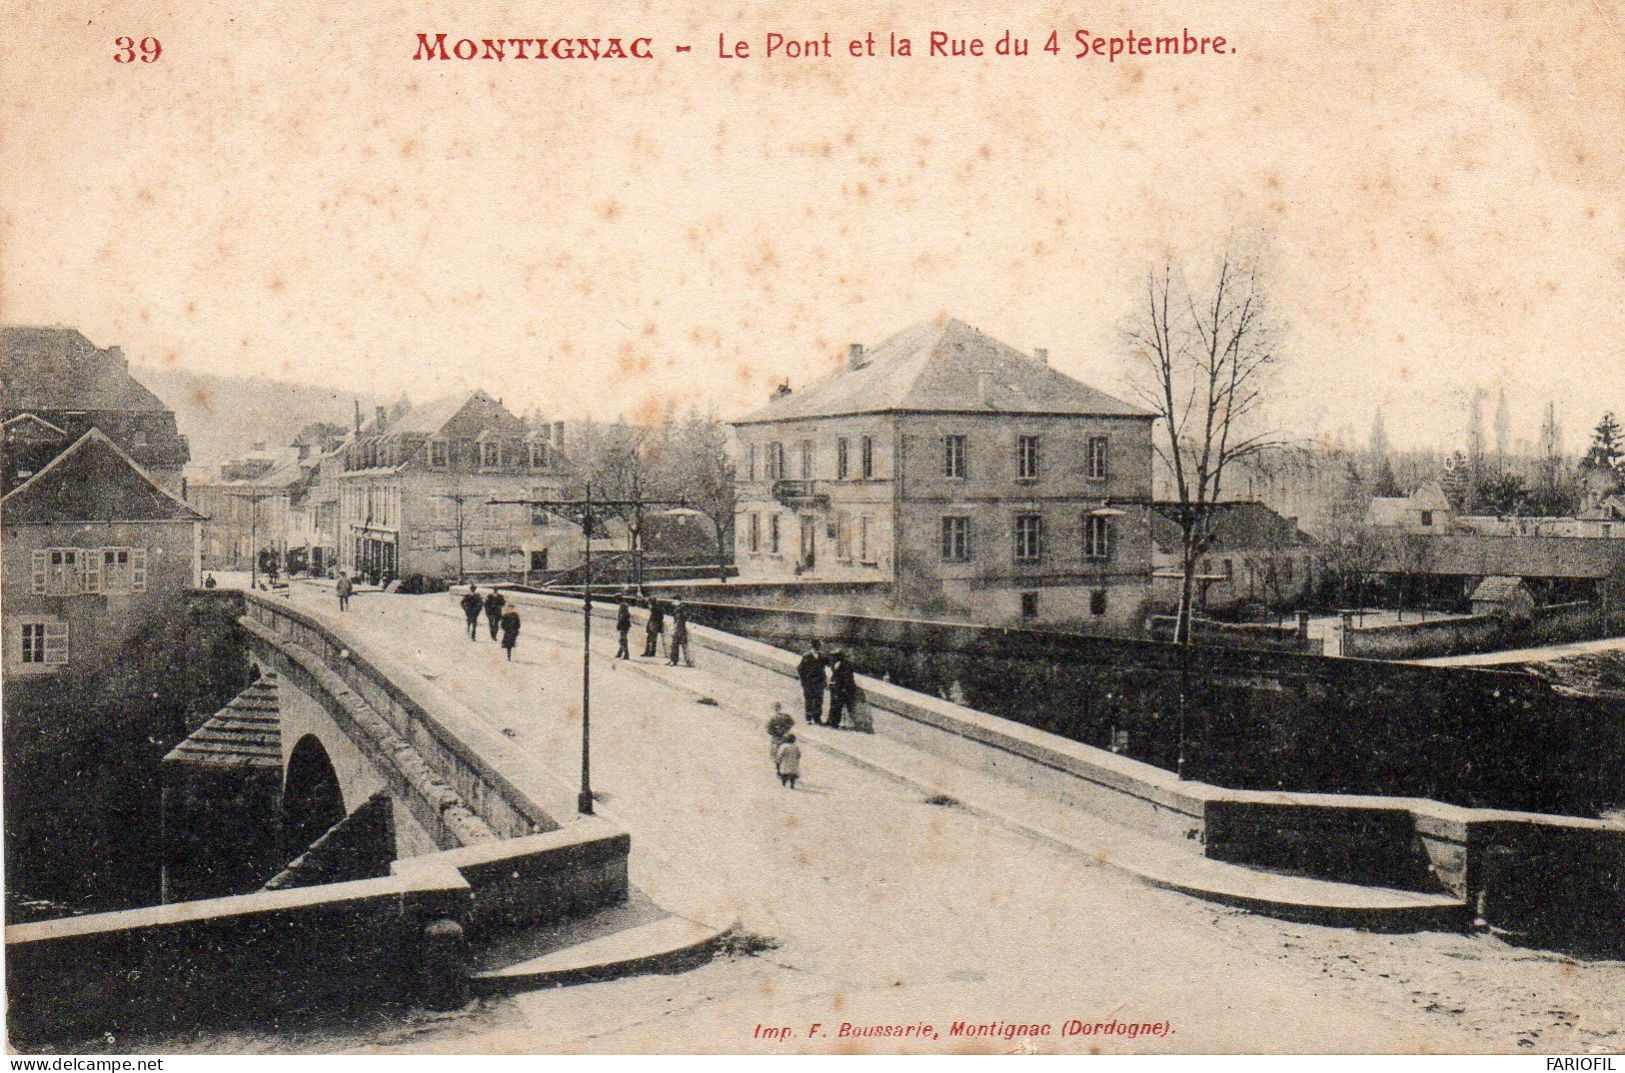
<point x="312" y="799"/>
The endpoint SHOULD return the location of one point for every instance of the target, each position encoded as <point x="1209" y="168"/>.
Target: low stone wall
<point x="1239" y="635"/>
<point x="1555" y="624"/>
<point x="1255" y="719"/>
<point x="226" y="959"/>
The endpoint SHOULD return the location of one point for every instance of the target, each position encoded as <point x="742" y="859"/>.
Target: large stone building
<point x="416" y="494"/>
<point x="974" y="479"/>
<point x="96" y="542"/>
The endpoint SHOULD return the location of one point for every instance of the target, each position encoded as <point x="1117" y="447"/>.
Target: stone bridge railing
<point x="512" y="855"/>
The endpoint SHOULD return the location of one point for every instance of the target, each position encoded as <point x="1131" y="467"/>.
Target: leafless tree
<point x="1201" y="354"/>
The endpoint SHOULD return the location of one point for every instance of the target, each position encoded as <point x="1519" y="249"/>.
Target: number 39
<point x="149" y="50"/>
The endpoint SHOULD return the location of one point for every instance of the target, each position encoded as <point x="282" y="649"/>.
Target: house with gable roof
<point x="974" y="480"/>
<point x="418" y="494"/>
<point x="96" y="543"/>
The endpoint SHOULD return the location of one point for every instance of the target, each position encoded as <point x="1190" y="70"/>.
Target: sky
<point x="290" y="194"/>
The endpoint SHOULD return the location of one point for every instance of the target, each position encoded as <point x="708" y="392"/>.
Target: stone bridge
<point x="404" y="835"/>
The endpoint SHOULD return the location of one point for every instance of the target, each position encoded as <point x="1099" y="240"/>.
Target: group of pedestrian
<point x="833" y="673"/>
<point x="654" y="632"/>
<point x="501" y="617"/>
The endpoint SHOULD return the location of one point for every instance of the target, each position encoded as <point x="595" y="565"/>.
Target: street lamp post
<point x="584" y="512"/>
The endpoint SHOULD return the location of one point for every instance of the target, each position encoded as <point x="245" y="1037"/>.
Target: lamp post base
<point x="584" y="803"/>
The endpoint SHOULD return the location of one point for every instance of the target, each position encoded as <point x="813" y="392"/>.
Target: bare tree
<point x="1201" y="354"/>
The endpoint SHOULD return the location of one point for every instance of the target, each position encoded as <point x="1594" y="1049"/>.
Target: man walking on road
<point x="653" y="631"/>
<point x="471" y="610"/>
<point x="623" y="626"/>
<point x="679" y="635"/>
<point x="344" y="590"/>
<point x="510" y="630"/>
<point x="811" y="672"/>
<point x="493" y="609"/>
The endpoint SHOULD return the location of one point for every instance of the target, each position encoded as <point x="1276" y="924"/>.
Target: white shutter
<point x="56" y="643"/>
<point x="138" y="569"/>
<point x="37" y="583"/>
<point x="90" y="576"/>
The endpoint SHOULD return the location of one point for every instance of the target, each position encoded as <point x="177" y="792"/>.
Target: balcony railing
<point x="800" y="492"/>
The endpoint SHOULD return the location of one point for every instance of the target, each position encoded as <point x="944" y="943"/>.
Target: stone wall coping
<point x="580" y="832"/>
<point x="434" y="877"/>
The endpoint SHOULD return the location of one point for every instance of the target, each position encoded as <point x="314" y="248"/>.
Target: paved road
<point x="888" y="910"/>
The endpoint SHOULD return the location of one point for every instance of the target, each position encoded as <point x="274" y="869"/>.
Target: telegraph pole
<point x="584" y="512"/>
<point x="254" y="499"/>
<point x="460" y="498"/>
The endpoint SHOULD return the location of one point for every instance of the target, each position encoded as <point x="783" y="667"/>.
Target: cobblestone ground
<point x="884" y="909"/>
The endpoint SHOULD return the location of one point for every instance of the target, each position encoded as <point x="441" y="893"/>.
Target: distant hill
<point x="224" y="416"/>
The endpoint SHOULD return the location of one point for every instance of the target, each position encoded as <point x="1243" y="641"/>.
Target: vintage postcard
<point x="921" y="528"/>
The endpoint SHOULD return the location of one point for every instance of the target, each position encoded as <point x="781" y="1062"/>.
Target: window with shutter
<point x="56" y="644"/>
<point x="91" y="578"/>
<point x="138" y="570"/>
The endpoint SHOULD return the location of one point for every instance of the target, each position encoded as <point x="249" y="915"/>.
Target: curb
<point x="679" y="957"/>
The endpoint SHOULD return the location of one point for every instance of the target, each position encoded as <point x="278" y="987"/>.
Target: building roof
<point x="1235" y="525"/>
<point x="1430" y="496"/>
<point x="59" y="369"/>
<point x="944" y="366"/>
<point x="1394" y="510"/>
<point x="92" y="481"/>
<point x="1498" y="589"/>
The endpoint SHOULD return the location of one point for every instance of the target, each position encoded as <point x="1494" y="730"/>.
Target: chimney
<point x="382" y="416"/>
<point x="855" y="356"/>
<point x="1042" y="354"/>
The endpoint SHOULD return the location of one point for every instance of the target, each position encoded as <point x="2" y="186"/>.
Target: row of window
<point x="72" y="571"/>
<point x="491" y="454"/>
<point x="955" y="458"/>
<point x="1029" y="603"/>
<point x="1027" y="538"/>
<point x="845" y="533"/>
<point x="773" y="468"/>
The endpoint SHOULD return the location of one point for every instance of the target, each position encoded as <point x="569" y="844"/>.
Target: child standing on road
<point x="787" y="761"/>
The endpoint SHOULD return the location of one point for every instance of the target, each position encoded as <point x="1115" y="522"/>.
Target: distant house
<point x="1254" y="554"/>
<point x="257" y="505"/>
<point x="1506" y="596"/>
<point x="972" y="478"/>
<point x="1425" y="511"/>
<point x="421" y="492"/>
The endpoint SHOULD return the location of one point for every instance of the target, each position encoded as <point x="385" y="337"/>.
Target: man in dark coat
<point x="344" y="588"/>
<point x="623" y="626"/>
<point x="493" y="610"/>
<point x="811" y="672"/>
<point x="471" y="611"/>
<point x="842" y="688"/>
<point x="679" y="634"/>
<point x="510" y="630"/>
<point x="653" y="631"/>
